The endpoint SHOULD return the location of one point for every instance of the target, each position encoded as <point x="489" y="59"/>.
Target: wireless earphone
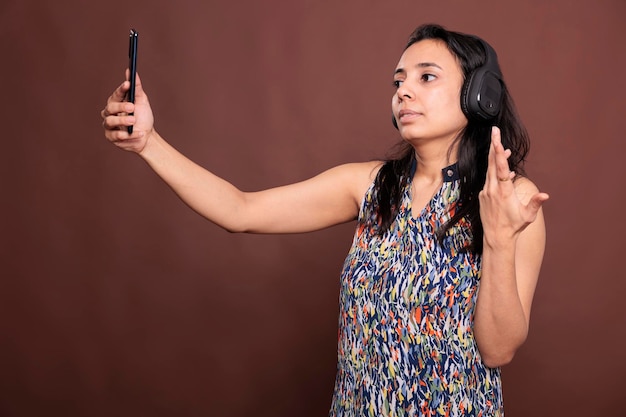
<point x="481" y="94"/>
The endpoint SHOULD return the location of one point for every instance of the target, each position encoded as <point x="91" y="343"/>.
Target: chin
<point x="414" y="135"/>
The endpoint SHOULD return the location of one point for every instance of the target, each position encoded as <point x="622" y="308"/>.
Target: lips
<point x="406" y="115"/>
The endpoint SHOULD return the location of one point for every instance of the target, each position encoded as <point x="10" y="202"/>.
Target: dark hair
<point x="473" y="145"/>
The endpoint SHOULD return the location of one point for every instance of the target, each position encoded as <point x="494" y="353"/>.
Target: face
<point x="427" y="102"/>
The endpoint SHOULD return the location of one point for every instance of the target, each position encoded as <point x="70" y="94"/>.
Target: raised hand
<point x="116" y="118"/>
<point x="507" y="204"/>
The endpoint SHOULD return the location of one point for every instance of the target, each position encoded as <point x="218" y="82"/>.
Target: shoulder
<point x="355" y="177"/>
<point x="356" y="172"/>
<point x="364" y="171"/>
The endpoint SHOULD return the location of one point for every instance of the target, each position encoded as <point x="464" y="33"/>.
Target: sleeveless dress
<point x="406" y="345"/>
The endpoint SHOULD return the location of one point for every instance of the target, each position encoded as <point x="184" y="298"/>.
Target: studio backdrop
<point x="116" y="299"/>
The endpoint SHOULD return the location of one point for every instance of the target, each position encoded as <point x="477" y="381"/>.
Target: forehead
<point x="429" y="51"/>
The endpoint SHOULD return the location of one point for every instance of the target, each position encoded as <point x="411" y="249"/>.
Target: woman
<point x="437" y="288"/>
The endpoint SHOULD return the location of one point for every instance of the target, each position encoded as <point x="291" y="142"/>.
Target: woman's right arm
<point x="329" y="198"/>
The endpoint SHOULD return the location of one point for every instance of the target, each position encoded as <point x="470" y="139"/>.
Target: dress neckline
<point x="449" y="174"/>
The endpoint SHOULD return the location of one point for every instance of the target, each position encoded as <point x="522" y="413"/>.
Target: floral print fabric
<point x="406" y="346"/>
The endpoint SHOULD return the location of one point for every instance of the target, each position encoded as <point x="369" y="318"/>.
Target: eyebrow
<point x="420" y="65"/>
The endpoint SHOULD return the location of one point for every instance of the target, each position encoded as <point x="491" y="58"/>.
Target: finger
<point x="534" y="205"/>
<point x="500" y="159"/>
<point x="137" y="79"/>
<point x="117" y="122"/>
<point x="116" y="135"/>
<point x="121" y="135"/>
<point x="120" y="92"/>
<point x="116" y="114"/>
<point x="537" y="200"/>
<point x="139" y="92"/>
<point x="114" y="108"/>
<point x="491" y="160"/>
<point x="492" y="164"/>
<point x="501" y="155"/>
<point x="115" y="102"/>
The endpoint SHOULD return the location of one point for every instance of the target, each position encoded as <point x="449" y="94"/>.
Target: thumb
<point x="137" y="79"/>
<point x="535" y="203"/>
<point x="138" y="86"/>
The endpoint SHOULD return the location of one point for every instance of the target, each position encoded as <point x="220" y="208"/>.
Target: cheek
<point x="460" y="119"/>
<point x="452" y="97"/>
<point x="452" y="102"/>
<point x="455" y="113"/>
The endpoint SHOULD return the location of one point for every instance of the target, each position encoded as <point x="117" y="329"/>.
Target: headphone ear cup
<point x="483" y="90"/>
<point x="465" y="95"/>
<point x="481" y="96"/>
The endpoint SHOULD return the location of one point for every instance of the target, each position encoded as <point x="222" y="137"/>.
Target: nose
<point x="404" y="92"/>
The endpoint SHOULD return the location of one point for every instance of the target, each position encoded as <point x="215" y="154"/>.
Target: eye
<point x="397" y="83"/>
<point x="428" y="77"/>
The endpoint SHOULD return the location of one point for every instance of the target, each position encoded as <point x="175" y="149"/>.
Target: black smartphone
<point x="132" y="66"/>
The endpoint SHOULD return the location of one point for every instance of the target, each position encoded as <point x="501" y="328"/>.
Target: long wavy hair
<point x="473" y="146"/>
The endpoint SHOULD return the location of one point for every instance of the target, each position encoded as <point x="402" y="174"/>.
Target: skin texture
<point x="426" y="106"/>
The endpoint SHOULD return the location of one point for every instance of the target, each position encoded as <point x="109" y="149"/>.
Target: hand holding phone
<point x="132" y="66"/>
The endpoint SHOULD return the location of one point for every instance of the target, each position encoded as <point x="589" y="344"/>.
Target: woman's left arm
<point x="513" y="246"/>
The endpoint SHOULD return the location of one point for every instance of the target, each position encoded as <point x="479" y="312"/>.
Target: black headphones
<point x="481" y="95"/>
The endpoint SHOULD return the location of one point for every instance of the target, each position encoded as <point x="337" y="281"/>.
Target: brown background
<point x="117" y="300"/>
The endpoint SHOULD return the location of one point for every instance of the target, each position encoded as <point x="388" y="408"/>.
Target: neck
<point x="432" y="159"/>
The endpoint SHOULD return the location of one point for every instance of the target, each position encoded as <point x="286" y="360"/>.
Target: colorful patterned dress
<point x="406" y="346"/>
